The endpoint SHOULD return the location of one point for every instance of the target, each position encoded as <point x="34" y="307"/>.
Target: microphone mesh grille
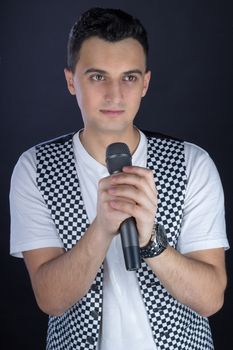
<point x="117" y="148"/>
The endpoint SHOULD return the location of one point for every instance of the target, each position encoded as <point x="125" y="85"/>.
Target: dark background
<point x="190" y="97"/>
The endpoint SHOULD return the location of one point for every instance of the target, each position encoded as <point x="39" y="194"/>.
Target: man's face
<point x="109" y="82"/>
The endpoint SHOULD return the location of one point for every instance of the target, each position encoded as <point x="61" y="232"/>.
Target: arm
<point x="197" y="279"/>
<point x="59" y="278"/>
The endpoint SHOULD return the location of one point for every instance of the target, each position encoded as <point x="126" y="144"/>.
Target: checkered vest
<point x="174" y="325"/>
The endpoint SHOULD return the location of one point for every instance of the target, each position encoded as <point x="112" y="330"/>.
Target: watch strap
<point x="157" y="244"/>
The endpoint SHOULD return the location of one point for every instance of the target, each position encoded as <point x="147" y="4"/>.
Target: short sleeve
<point x="203" y="225"/>
<point x="31" y="224"/>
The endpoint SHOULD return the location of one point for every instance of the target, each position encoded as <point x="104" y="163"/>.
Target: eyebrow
<point x="101" y="71"/>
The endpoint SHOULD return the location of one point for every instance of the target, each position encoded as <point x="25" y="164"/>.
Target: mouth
<point x="113" y="112"/>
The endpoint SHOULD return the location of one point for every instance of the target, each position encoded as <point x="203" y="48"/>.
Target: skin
<point x="109" y="81"/>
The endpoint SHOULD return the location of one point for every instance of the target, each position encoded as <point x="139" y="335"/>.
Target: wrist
<point x="149" y="237"/>
<point x="101" y="233"/>
<point x="157" y="243"/>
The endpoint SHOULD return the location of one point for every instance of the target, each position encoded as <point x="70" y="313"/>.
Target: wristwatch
<point x="157" y="244"/>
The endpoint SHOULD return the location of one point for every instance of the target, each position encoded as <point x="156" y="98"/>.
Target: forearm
<point x="62" y="281"/>
<point x="194" y="283"/>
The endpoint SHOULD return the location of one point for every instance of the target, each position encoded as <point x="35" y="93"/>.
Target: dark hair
<point x="108" y="24"/>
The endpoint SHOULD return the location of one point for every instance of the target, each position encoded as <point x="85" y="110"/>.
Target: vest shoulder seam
<point x="158" y="135"/>
<point x="58" y="140"/>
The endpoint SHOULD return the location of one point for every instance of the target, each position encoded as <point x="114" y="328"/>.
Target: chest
<point x="59" y="184"/>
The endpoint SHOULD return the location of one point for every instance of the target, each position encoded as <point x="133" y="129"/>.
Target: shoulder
<point x="61" y="140"/>
<point x="25" y="165"/>
<point x="202" y="173"/>
<point x="194" y="151"/>
<point x="165" y="146"/>
<point x="158" y="135"/>
<point x="27" y="161"/>
<point x="198" y="159"/>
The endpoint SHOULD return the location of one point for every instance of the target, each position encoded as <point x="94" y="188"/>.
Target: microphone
<point x="118" y="156"/>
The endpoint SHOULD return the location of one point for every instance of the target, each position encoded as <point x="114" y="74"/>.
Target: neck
<point x="96" y="144"/>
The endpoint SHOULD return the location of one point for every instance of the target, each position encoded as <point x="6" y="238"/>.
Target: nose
<point x="114" y="92"/>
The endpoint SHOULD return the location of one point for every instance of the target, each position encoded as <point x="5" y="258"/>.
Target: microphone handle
<point x="130" y="244"/>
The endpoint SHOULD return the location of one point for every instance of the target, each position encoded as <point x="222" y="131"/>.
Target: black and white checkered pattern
<point x="57" y="180"/>
<point x="174" y="325"/>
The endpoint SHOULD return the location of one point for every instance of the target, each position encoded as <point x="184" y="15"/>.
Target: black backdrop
<point x="190" y="97"/>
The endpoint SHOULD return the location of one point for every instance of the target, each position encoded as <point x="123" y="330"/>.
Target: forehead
<point x="125" y="54"/>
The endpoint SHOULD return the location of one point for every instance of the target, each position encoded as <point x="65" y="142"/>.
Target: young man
<point x="66" y="211"/>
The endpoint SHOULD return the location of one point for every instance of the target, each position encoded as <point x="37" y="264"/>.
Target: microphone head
<point x="117" y="156"/>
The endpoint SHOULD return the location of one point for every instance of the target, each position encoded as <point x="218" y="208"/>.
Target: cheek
<point x="133" y="92"/>
<point x="133" y="99"/>
<point x="86" y="99"/>
<point x="89" y="105"/>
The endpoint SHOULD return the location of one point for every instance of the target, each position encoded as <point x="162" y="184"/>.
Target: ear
<point x="69" y="81"/>
<point x="146" y="82"/>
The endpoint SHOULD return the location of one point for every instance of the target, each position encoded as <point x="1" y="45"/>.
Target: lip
<point x="112" y="111"/>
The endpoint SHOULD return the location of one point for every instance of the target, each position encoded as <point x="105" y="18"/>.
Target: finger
<point x="138" y="172"/>
<point x="135" y="195"/>
<point x="131" y="209"/>
<point x="141" y="172"/>
<point x="140" y="183"/>
<point x="104" y="183"/>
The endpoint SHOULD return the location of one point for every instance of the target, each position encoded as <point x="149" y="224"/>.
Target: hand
<point x="132" y="193"/>
<point x="108" y="219"/>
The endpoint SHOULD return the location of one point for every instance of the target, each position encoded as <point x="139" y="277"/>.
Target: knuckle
<point x="141" y="181"/>
<point x="136" y="210"/>
<point x="103" y="183"/>
<point x="100" y="183"/>
<point x="149" y="173"/>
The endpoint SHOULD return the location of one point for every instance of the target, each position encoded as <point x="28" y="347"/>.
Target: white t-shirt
<point x="125" y="322"/>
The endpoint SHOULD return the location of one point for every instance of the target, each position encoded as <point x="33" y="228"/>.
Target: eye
<point x="97" y="77"/>
<point x="130" y="78"/>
